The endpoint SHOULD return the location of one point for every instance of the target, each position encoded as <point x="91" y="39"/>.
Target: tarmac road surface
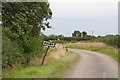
<point x="93" y="65"/>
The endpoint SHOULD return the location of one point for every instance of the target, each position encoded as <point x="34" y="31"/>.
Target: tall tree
<point x="24" y="20"/>
<point x="22" y="23"/>
<point x="26" y="17"/>
<point x="84" y="33"/>
<point x="76" y="34"/>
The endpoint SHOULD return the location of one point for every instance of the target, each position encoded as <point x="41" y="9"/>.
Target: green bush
<point x="112" y="41"/>
<point x="21" y="31"/>
<point x="9" y="51"/>
<point x="13" y="53"/>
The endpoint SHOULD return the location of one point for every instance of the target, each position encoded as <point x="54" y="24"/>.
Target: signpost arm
<point x="44" y="56"/>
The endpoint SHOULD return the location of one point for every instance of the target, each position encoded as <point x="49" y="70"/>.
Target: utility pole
<point x="92" y="32"/>
<point x="81" y="34"/>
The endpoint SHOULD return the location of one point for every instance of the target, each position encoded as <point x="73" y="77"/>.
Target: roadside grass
<point x="97" y="47"/>
<point x="54" y="68"/>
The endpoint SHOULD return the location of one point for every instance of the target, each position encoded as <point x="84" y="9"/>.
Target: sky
<point x="99" y="16"/>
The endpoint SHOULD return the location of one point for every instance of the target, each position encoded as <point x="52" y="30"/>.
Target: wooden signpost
<point x="49" y="44"/>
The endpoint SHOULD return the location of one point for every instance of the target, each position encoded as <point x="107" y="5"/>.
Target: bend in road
<point x="93" y="65"/>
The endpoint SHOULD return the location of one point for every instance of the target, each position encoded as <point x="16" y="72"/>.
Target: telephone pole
<point x="92" y="32"/>
<point x="81" y="34"/>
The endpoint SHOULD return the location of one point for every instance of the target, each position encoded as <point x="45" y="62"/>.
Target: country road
<point x="93" y="65"/>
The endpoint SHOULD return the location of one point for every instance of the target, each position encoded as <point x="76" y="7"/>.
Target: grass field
<point x="52" y="69"/>
<point x="97" y="47"/>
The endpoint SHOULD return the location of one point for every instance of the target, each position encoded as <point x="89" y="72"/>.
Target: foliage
<point x="112" y="41"/>
<point x="55" y="68"/>
<point x="35" y="14"/>
<point x="13" y="53"/>
<point x="76" y="34"/>
<point x="70" y="39"/>
<point x="79" y="34"/>
<point x="84" y="33"/>
<point x="22" y="23"/>
<point x="52" y="37"/>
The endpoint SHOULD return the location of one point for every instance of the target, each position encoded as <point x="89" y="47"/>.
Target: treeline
<point x="76" y="36"/>
<point x="112" y="40"/>
<point x="22" y="24"/>
<point x="68" y="38"/>
<point x="63" y="39"/>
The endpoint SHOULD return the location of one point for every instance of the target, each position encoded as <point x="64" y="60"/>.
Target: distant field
<point x="97" y="47"/>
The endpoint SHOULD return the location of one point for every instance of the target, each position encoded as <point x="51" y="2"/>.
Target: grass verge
<point x="54" y="69"/>
<point x="96" y="47"/>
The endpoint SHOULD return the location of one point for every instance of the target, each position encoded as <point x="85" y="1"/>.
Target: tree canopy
<point x="22" y="23"/>
<point x="84" y="33"/>
<point x="76" y="34"/>
<point x="26" y="17"/>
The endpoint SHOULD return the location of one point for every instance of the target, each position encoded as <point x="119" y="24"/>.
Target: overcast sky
<point x="101" y="16"/>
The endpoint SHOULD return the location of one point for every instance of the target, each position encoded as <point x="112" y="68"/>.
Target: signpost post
<point x="49" y="44"/>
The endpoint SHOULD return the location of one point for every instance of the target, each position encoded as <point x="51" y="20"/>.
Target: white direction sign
<point x="50" y="44"/>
